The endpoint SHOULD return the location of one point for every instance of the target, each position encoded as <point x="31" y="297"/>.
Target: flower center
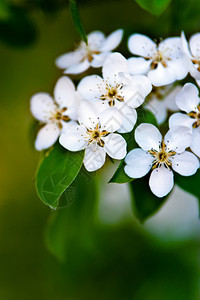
<point x="58" y="116"/>
<point x="196" y="61"/>
<point x="88" y="52"/>
<point x="112" y="94"/>
<point x="163" y="156"/>
<point x="95" y="135"/>
<point x="195" y="115"/>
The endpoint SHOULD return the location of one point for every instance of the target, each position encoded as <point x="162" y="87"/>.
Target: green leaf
<point x="56" y="172"/>
<point x="190" y="184"/>
<point x="155" y="7"/>
<point x="120" y="176"/>
<point x="77" y="21"/>
<point x="144" y="116"/>
<point x="145" y="203"/>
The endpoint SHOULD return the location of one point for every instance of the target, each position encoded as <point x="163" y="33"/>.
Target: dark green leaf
<point x="190" y="184"/>
<point x="145" y="203"/>
<point x="77" y="21"/>
<point x="155" y="7"/>
<point x="120" y="176"/>
<point x="56" y="172"/>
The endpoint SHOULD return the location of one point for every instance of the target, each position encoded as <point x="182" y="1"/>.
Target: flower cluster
<point x="95" y="115"/>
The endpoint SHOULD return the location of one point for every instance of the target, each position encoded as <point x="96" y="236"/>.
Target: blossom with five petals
<point x="118" y="91"/>
<point x="54" y="115"/>
<point x="163" y="63"/>
<point x="189" y="102"/>
<point x="96" y="135"/>
<point x="92" y="54"/>
<point x="161" y="156"/>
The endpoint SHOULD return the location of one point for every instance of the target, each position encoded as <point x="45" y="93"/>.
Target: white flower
<point x="92" y="54"/>
<point x="54" y="114"/>
<point x="163" y="63"/>
<point x="118" y="91"/>
<point x="189" y="102"/>
<point x="96" y="135"/>
<point x="161" y="100"/>
<point x="161" y="156"/>
<point x="192" y="51"/>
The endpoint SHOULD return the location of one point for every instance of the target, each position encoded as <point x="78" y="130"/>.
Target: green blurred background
<point x="94" y="248"/>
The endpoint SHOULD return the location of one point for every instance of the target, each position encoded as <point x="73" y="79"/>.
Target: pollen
<point x="162" y="157"/>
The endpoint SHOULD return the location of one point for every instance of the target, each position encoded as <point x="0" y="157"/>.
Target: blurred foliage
<point x="155" y="7"/>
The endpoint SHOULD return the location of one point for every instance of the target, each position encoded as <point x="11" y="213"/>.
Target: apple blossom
<point x="92" y="54"/>
<point x="161" y="156"/>
<point x="161" y="100"/>
<point x="96" y="135"/>
<point x="118" y="91"/>
<point x="163" y="63"/>
<point x="189" y="102"/>
<point x="54" y="115"/>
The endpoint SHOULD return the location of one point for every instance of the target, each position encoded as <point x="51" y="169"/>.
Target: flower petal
<point x="161" y="181"/>
<point x="161" y="75"/>
<point x="91" y="87"/>
<point x="42" y="106"/>
<point x="129" y="118"/>
<point x="158" y="108"/>
<point x="68" y="59"/>
<point x="185" y="164"/>
<point x="172" y="48"/>
<point x="180" y="67"/>
<point x="138" y="65"/>
<point x="115" y="146"/>
<point x="194" y="43"/>
<point x="95" y="39"/>
<point x="88" y="115"/>
<point x="114" y="64"/>
<point x="78" y="68"/>
<point x="138" y="163"/>
<point x="178" y="138"/>
<point x="185" y="46"/>
<point x="94" y="160"/>
<point x="112" y="41"/>
<point x="73" y="138"/>
<point x="187" y="99"/>
<point x="141" y="45"/>
<point x="99" y="59"/>
<point x="64" y="91"/>
<point x="170" y="98"/>
<point x="148" y="136"/>
<point x="110" y="119"/>
<point x="179" y="119"/>
<point x="143" y="82"/>
<point x="195" y="145"/>
<point x="47" y="136"/>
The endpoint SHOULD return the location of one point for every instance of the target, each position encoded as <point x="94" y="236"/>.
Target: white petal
<point x="161" y="75"/>
<point x="64" y="91"/>
<point x="73" y="138"/>
<point x="72" y="109"/>
<point x="112" y="41"/>
<point x="193" y="68"/>
<point x="179" y="66"/>
<point x="94" y="160"/>
<point x="138" y="65"/>
<point x="178" y="138"/>
<point x="141" y="45"/>
<point x="170" y="98"/>
<point x="195" y="45"/>
<point x="195" y="145"/>
<point x="158" y="108"/>
<point x="184" y="44"/>
<point x="99" y="59"/>
<point x="143" y="82"/>
<point x="78" y="68"/>
<point x="161" y="181"/>
<point x="148" y="136"/>
<point x="110" y="119"/>
<point x="179" y="119"/>
<point x="185" y="164"/>
<point x="88" y="115"/>
<point x="42" y="106"/>
<point x="114" y="64"/>
<point x="187" y="99"/>
<point x="115" y="146"/>
<point x="47" y="136"/>
<point x="95" y="40"/>
<point x="129" y="118"/>
<point x="139" y="163"/>
<point x="91" y="87"/>
<point x="68" y="59"/>
<point x="172" y="48"/>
